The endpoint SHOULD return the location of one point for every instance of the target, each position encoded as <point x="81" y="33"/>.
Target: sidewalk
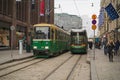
<point x="10" y="55"/>
<point x="101" y="68"/>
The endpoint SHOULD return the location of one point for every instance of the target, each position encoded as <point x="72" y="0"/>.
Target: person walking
<point x="90" y="44"/>
<point x="105" y="49"/>
<point x="110" y="47"/>
<point x="116" y="48"/>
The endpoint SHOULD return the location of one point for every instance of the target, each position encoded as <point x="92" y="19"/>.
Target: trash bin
<point x="28" y="49"/>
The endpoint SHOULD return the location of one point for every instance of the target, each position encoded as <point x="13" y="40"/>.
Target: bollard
<point x="20" y="46"/>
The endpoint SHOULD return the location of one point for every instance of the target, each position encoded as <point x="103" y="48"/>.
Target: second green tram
<point x="49" y="40"/>
<point x="78" y="41"/>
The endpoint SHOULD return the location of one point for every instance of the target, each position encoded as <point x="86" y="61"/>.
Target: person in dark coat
<point x="110" y="47"/>
<point x="105" y="49"/>
<point x="90" y="44"/>
<point x="116" y="48"/>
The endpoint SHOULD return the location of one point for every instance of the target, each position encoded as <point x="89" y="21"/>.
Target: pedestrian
<point x="116" y="48"/>
<point x="105" y="49"/>
<point x="90" y="44"/>
<point x="110" y="47"/>
<point x="99" y="45"/>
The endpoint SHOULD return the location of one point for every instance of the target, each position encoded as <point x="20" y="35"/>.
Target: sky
<point x="78" y="7"/>
<point x="82" y="8"/>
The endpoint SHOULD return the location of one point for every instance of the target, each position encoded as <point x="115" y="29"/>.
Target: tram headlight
<point x="35" y="47"/>
<point x="46" y="47"/>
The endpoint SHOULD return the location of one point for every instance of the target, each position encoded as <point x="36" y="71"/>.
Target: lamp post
<point x="12" y="28"/>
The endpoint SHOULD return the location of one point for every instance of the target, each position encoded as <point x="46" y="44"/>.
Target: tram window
<point x="58" y="34"/>
<point x="52" y="34"/>
<point x="49" y="33"/>
<point x="41" y="32"/>
<point x="55" y="34"/>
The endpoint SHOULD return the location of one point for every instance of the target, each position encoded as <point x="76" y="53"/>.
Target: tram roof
<point x="51" y="25"/>
<point x="77" y="30"/>
<point x="42" y="24"/>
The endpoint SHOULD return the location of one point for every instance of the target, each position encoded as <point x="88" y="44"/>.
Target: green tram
<point x="49" y="40"/>
<point x="78" y="41"/>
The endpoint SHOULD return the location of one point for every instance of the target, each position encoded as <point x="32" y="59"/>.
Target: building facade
<point x="118" y="20"/>
<point x="17" y="18"/>
<point x="110" y="28"/>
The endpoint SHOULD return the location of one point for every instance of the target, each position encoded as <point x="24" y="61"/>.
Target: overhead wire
<point x="77" y="11"/>
<point x="76" y="7"/>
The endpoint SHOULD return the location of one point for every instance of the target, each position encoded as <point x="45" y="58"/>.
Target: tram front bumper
<point x="40" y="52"/>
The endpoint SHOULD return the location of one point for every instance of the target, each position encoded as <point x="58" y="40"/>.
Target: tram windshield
<point x="78" y="38"/>
<point x="41" y="32"/>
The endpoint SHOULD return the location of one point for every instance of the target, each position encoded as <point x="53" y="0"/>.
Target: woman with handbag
<point x="110" y="47"/>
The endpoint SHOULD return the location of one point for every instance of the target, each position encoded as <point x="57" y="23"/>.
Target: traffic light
<point x="94" y="21"/>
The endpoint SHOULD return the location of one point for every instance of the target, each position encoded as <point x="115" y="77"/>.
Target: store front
<point x="4" y="34"/>
<point x="20" y="34"/>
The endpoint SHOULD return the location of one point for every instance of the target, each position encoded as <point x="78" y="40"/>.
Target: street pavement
<point x="101" y="68"/>
<point x="10" y="55"/>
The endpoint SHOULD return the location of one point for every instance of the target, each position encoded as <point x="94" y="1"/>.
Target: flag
<point x="42" y="8"/>
<point x="112" y="13"/>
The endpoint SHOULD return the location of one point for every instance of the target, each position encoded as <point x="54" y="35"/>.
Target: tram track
<point x="80" y="69"/>
<point x="18" y="66"/>
<point x="10" y="68"/>
<point x="57" y="68"/>
<point x="67" y="71"/>
<point x="61" y="65"/>
<point x="7" y="65"/>
<point x="72" y="70"/>
<point x="64" y="67"/>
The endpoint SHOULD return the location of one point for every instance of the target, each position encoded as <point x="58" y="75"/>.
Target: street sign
<point x="93" y="27"/>
<point x="94" y="16"/>
<point x="94" y="21"/>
